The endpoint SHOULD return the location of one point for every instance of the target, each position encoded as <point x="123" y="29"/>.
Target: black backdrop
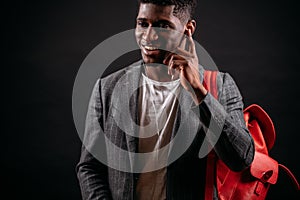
<point x="45" y="43"/>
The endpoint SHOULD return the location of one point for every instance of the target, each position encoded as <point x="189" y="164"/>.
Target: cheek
<point x="138" y="35"/>
<point x="173" y="39"/>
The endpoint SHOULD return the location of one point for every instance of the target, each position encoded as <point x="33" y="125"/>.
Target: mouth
<point x="149" y="48"/>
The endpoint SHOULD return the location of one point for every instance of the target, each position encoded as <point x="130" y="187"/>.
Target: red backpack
<point x="252" y="183"/>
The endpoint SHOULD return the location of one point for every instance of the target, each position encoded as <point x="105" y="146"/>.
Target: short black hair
<point x="184" y="9"/>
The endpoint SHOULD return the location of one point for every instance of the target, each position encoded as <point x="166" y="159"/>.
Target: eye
<point x="142" y="24"/>
<point x="164" y="25"/>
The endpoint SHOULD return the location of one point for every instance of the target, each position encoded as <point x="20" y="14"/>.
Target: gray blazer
<point x="218" y="122"/>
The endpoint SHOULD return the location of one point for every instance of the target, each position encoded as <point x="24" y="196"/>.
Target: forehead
<point x="154" y="12"/>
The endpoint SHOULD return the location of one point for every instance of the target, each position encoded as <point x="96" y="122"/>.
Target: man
<point x="170" y="102"/>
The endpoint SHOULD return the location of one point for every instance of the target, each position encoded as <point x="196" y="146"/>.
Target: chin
<point x="149" y="59"/>
<point x="152" y="61"/>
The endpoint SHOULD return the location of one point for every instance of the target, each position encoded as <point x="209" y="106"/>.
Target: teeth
<point x="150" y="48"/>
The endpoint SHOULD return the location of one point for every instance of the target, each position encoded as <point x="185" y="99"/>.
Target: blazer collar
<point x="129" y="84"/>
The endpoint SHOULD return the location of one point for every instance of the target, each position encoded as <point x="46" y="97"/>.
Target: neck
<point x="158" y="72"/>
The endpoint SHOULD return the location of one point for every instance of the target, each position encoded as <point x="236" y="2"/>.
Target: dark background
<point x="45" y="43"/>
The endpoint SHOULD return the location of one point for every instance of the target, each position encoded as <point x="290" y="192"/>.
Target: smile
<point x="149" y="48"/>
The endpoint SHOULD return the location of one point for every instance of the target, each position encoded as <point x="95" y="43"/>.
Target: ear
<point x="190" y="27"/>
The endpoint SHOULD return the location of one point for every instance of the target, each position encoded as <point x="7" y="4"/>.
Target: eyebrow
<point x="141" y="19"/>
<point x="158" y="21"/>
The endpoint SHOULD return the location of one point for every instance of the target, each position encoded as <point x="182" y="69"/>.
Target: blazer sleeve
<point x="225" y="121"/>
<point x="91" y="173"/>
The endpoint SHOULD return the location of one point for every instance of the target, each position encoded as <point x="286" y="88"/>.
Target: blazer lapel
<point x="130" y="91"/>
<point x="186" y="123"/>
<point x="133" y="82"/>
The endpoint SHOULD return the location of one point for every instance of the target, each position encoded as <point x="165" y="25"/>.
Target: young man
<point x="170" y="93"/>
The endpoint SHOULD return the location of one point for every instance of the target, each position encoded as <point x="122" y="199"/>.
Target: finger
<point x="191" y="45"/>
<point x="168" y="58"/>
<point x="172" y="56"/>
<point x="182" y="44"/>
<point x="185" y="54"/>
<point x="177" y="60"/>
<point x="169" y="63"/>
<point x="175" y="63"/>
<point x="177" y="57"/>
<point x="178" y="64"/>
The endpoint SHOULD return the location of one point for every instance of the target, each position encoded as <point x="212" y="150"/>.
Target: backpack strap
<point x="291" y="175"/>
<point x="210" y="83"/>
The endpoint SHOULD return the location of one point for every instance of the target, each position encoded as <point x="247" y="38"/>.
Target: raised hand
<point x="184" y="63"/>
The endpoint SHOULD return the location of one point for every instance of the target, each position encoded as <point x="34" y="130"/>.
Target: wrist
<point x="198" y="94"/>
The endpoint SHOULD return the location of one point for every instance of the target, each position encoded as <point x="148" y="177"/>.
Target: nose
<point x="150" y="34"/>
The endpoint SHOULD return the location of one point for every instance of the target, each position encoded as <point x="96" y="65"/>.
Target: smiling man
<point x="170" y="94"/>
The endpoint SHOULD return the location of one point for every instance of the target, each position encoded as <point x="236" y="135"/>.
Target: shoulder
<point x="227" y="88"/>
<point x="226" y="85"/>
<point x="222" y="78"/>
<point x="133" y="69"/>
<point x="225" y="80"/>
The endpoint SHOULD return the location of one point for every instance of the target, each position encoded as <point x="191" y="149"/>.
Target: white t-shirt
<point x="157" y="110"/>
